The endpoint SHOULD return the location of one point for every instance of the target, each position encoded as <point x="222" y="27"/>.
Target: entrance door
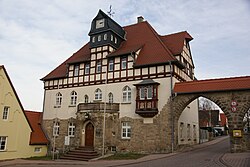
<point x="89" y="135"/>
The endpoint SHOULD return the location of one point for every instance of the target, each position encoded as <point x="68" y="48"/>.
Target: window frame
<point x="76" y="70"/>
<point x="6" y="111"/>
<point x="111" y="97"/>
<point x="126" y="130"/>
<point x="87" y="68"/>
<point x="58" y="99"/>
<point x="98" y="66"/>
<point x="98" y="94"/>
<point x="73" y="98"/>
<point x="126" y="94"/>
<point x="71" y="129"/>
<point x="123" y="63"/>
<point x="3" y="143"/>
<point x="111" y="65"/>
<point x="86" y="99"/>
<point x="56" y="129"/>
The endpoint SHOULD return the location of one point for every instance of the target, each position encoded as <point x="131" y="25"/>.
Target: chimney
<point x="140" y="19"/>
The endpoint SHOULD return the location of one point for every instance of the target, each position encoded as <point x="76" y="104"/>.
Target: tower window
<point x="93" y="39"/>
<point x="105" y="37"/>
<point x="111" y="65"/>
<point x="111" y="37"/>
<point x="99" y="38"/>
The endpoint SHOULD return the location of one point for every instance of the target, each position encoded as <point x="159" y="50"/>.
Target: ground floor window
<point x="126" y="130"/>
<point x="56" y="129"/>
<point x="3" y="143"/>
<point x="37" y="149"/>
<point x="71" y="130"/>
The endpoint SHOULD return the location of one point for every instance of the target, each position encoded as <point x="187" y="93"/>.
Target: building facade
<point x="112" y="92"/>
<point x="17" y="133"/>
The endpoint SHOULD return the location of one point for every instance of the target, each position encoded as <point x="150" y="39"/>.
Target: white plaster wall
<point x="126" y="109"/>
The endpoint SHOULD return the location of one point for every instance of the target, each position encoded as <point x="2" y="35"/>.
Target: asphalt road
<point x="205" y="157"/>
<point x="209" y="156"/>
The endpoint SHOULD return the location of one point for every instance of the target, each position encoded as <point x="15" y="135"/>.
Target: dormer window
<point x="111" y="38"/>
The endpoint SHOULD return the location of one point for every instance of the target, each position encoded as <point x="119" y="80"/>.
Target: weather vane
<point x="110" y="12"/>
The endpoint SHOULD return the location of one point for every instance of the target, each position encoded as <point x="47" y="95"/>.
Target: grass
<point x="124" y="156"/>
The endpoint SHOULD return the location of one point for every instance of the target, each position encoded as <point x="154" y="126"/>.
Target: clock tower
<point x="105" y="31"/>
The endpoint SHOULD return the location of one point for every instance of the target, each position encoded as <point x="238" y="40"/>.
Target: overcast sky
<point x="37" y="36"/>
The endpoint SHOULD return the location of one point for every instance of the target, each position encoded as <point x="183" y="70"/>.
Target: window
<point x="111" y="38"/>
<point x="6" y="113"/>
<point x="146" y="92"/>
<point x="87" y="68"/>
<point x="181" y="130"/>
<point x="86" y="99"/>
<point x="115" y="40"/>
<point x="111" y="64"/>
<point x="111" y="98"/>
<point x="73" y="98"/>
<point x="37" y="149"/>
<point x="3" y="143"/>
<point x="76" y="70"/>
<point x="188" y="131"/>
<point x="58" y="99"/>
<point x="98" y="94"/>
<point x="71" y="130"/>
<point x="126" y="94"/>
<point x="93" y="39"/>
<point x="126" y="130"/>
<point x="194" y="132"/>
<point x="99" y="38"/>
<point x="105" y="37"/>
<point x="124" y="63"/>
<point x="98" y="67"/>
<point x="56" y="129"/>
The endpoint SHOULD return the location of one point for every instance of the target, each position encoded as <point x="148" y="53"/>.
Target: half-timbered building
<point x="111" y="93"/>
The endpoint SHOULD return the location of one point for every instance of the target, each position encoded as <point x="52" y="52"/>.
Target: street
<point x="210" y="154"/>
<point x="206" y="157"/>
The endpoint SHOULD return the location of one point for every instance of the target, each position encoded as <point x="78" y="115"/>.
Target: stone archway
<point x="223" y="99"/>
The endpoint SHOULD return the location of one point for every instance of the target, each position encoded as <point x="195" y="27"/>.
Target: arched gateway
<point x="232" y="95"/>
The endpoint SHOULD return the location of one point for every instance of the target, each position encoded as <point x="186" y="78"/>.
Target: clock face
<point x="100" y="23"/>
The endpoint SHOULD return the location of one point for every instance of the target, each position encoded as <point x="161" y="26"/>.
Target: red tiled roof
<point x="37" y="135"/>
<point x="155" y="49"/>
<point x="236" y="83"/>
<point x="175" y="42"/>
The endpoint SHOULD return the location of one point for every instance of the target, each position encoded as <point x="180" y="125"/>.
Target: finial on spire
<point x="110" y="12"/>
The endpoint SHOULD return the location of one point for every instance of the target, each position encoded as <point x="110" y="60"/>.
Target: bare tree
<point x="205" y="104"/>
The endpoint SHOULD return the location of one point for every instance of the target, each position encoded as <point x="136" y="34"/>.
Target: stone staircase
<point x="81" y="154"/>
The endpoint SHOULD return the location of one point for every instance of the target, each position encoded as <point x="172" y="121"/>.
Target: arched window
<point x="86" y="99"/>
<point x="58" y="99"/>
<point x="98" y="94"/>
<point x="73" y="98"/>
<point x="111" y="97"/>
<point x="126" y="94"/>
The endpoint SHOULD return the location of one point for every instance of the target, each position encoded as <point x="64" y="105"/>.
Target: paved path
<point x="192" y="156"/>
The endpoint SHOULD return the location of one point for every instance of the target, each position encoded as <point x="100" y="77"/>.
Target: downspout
<point x="171" y="106"/>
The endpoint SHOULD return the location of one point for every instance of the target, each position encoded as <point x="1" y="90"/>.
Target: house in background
<point x="123" y="76"/>
<point x="19" y="133"/>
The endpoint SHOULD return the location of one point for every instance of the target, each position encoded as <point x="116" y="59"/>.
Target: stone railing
<point x="98" y="106"/>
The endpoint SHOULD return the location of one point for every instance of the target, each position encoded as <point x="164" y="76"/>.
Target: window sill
<point x="72" y="105"/>
<point x="125" y="138"/>
<point x="57" y="106"/>
<point x="125" y="102"/>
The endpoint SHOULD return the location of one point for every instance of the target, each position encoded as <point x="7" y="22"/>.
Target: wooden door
<point x="89" y="135"/>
